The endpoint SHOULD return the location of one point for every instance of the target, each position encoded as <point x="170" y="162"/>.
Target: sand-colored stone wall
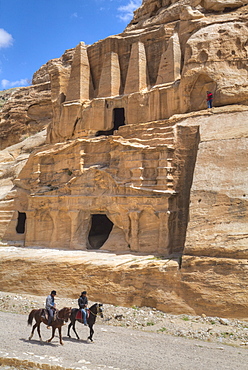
<point x="134" y="163"/>
<point x="210" y="286"/>
<point x="218" y="210"/>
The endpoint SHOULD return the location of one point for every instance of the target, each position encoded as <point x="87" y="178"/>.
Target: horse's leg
<point x="91" y="333"/>
<point x="32" y="332"/>
<point x="74" y="329"/>
<point x="38" y="329"/>
<point x="68" y="331"/>
<point x="72" y="324"/>
<point x="60" y="335"/>
<point x="53" y="331"/>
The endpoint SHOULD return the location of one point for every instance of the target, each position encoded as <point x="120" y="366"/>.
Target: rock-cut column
<point x="110" y="80"/>
<point x="163" y="241"/>
<point x="79" y="82"/>
<point x="134" y="224"/>
<point x="137" y="69"/>
<point x="170" y="63"/>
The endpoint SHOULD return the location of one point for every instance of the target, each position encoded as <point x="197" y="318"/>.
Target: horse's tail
<point x="31" y="316"/>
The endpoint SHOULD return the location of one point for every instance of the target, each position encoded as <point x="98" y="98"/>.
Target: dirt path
<point x="213" y="329"/>
<point x="114" y="348"/>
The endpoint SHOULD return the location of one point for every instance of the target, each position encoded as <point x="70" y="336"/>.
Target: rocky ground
<point x="211" y="329"/>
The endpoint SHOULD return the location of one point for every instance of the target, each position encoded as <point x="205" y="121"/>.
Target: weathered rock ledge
<point x="122" y="279"/>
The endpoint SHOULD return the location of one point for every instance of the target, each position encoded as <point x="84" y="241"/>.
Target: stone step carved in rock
<point x="155" y="126"/>
<point x="153" y="141"/>
<point x="5" y="216"/>
<point x="140" y="133"/>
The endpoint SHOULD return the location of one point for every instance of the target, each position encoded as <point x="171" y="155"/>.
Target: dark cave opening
<point x="118" y="119"/>
<point x="101" y="227"/>
<point x="20" y="227"/>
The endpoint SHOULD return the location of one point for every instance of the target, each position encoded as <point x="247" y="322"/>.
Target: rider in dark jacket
<point x="83" y="304"/>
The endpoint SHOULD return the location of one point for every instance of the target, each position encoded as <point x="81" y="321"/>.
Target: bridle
<point x="93" y="313"/>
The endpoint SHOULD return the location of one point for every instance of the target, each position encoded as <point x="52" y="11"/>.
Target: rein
<point x="95" y="314"/>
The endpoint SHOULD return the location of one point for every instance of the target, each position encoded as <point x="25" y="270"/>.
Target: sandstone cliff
<point x="25" y="111"/>
<point x="133" y="162"/>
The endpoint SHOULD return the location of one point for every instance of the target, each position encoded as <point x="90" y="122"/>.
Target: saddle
<point x="45" y="314"/>
<point x="79" y="315"/>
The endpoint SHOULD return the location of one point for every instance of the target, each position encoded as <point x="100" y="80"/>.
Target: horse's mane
<point x="95" y="304"/>
<point x="64" y="308"/>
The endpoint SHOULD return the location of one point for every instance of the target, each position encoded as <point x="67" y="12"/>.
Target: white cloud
<point x="6" y="84"/>
<point x="6" y="39"/>
<point x="127" y="10"/>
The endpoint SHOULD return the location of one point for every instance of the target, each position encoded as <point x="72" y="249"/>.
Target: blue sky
<point x="35" y="31"/>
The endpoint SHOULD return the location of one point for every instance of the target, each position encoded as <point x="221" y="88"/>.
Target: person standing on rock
<point x="83" y="304"/>
<point x="209" y="99"/>
<point x="51" y="307"/>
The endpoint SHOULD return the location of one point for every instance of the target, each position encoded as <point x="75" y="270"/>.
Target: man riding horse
<point x="51" y="307"/>
<point x="83" y="306"/>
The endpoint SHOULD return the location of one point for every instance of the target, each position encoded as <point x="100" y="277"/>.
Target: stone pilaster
<point x="137" y="69"/>
<point x="134" y="224"/>
<point x="135" y="164"/>
<point x="54" y="236"/>
<point x="79" y="82"/>
<point x="163" y="242"/>
<point x="31" y="220"/>
<point x="162" y="170"/>
<point x="76" y="221"/>
<point x="169" y="68"/>
<point x="110" y="80"/>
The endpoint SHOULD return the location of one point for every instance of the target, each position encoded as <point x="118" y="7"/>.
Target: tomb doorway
<point x="21" y="220"/>
<point x="101" y="227"/>
<point x="118" y="120"/>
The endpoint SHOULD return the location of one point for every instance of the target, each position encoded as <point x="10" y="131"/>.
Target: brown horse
<point x="61" y="316"/>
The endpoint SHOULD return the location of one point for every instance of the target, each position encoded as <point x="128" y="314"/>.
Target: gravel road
<point x="115" y="348"/>
<point x="126" y="339"/>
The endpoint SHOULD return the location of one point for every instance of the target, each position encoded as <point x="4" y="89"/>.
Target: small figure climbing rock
<point x="209" y="99"/>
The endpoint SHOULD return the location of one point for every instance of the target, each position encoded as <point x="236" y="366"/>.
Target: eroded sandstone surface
<point x="127" y="159"/>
